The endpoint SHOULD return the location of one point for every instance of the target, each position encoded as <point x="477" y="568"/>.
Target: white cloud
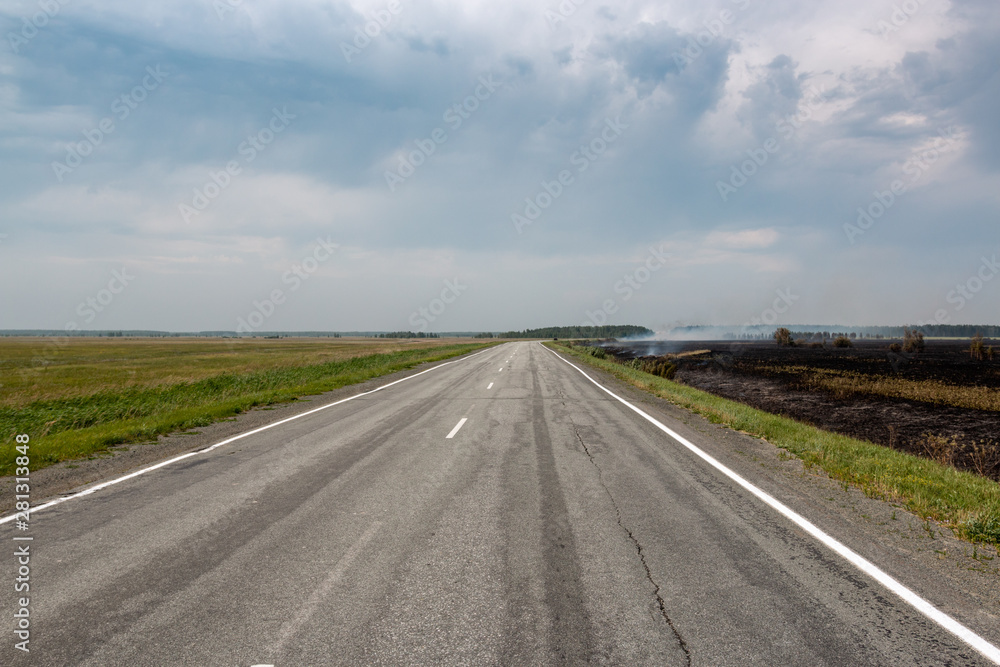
<point x="744" y="239"/>
<point x="885" y="98"/>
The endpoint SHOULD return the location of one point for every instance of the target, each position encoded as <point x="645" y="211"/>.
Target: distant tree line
<point x="933" y="331"/>
<point x="407" y="334"/>
<point x="871" y="332"/>
<point x="913" y="339"/>
<point x="604" y="331"/>
<point x="959" y="330"/>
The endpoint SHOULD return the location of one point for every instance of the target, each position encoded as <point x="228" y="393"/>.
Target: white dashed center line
<point x="459" y="425"/>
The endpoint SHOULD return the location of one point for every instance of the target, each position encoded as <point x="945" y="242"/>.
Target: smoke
<point x="651" y="347"/>
<point x="708" y="332"/>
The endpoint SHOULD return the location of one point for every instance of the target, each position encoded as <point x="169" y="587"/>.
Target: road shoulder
<point x="960" y="578"/>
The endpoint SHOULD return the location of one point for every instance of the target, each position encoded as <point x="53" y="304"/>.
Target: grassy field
<point x="847" y="383"/>
<point x="967" y="503"/>
<point x="86" y="394"/>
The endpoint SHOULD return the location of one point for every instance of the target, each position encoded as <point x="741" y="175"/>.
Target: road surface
<point x="501" y="509"/>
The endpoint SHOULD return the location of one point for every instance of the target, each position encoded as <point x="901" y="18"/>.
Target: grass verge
<point x="967" y="503"/>
<point x="78" y="427"/>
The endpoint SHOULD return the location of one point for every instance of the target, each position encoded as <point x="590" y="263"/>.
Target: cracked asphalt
<point x="555" y="527"/>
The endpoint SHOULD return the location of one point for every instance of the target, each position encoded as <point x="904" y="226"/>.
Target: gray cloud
<point x="690" y="115"/>
<point x="773" y="97"/>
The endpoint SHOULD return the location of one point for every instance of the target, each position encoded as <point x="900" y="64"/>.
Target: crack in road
<point x="638" y="548"/>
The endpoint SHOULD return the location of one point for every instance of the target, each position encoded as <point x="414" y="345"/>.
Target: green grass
<point x="80" y="424"/>
<point x="34" y="369"/>
<point x="967" y="503"/>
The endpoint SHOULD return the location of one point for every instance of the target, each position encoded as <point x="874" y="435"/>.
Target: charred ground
<point x="856" y="391"/>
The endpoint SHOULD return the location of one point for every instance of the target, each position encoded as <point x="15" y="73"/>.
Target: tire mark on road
<point x="309" y="607"/>
<point x="128" y="597"/>
<point x="571" y="635"/>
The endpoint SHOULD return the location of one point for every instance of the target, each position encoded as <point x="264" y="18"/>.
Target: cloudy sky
<point x="334" y="165"/>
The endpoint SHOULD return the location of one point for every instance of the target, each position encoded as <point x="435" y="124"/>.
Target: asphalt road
<point x="555" y="526"/>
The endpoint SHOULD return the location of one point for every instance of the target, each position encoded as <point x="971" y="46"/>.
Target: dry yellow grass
<point x="34" y="369"/>
<point x="83" y="396"/>
<point x="843" y="383"/>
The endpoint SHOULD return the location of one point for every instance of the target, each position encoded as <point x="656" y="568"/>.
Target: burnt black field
<point x="772" y="378"/>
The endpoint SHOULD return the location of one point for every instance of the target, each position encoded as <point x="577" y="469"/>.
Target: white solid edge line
<point x="460" y="424"/>
<point x="151" y="468"/>
<point x="913" y="599"/>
